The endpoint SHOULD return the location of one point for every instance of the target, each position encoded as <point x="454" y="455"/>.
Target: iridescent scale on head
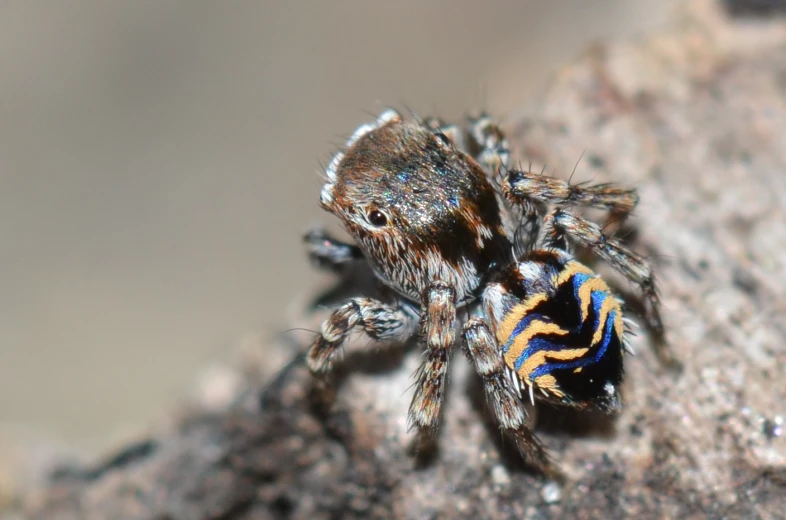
<point x="419" y="200"/>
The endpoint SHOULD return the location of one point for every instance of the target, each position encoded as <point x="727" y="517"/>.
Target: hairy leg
<point x="482" y="139"/>
<point x="522" y="187"/>
<point x="490" y="145"/>
<point x="438" y="326"/>
<point x="326" y="252"/>
<point x="560" y="226"/>
<point x="379" y="320"/>
<point x="501" y="396"/>
<point x="447" y="131"/>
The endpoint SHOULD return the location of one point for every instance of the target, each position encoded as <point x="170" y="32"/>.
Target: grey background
<point x="157" y="168"/>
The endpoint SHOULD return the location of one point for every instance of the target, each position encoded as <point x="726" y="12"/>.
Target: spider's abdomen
<point x="560" y="329"/>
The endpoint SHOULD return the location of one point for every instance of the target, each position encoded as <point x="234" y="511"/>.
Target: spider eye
<point x="377" y="218"/>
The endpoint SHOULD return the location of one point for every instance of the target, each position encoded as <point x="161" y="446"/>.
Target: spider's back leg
<point x="481" y="138"/>
<point x="490" y="146"/>
<point x="501" y="394"/>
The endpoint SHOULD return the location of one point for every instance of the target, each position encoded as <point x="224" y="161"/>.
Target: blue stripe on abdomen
<point x="548" y="367"/>
<point x="578" y="281"/>
<point x="598" y="297"/>
<point x="521" y="327"/>
<point x="536" y="344"/>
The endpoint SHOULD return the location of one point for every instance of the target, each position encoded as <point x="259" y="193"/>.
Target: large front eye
<point x="376" y="218"/>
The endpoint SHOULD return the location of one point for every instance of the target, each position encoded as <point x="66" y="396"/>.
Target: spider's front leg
<point x="534" y="192"/>
<point x="439" y="331"/>
<point x="326" y="252"/>
<point x="482" y="350"/>
<point x="528" y="187"/>
<point x="378" y="320"/>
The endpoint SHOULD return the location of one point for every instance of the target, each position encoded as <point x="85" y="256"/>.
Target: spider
<point x="444" y="223"/>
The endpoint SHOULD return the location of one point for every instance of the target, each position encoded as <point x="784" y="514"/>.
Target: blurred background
<point x="157" y="170"/>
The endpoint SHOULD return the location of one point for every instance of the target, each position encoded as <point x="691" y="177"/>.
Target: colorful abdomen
<point x="560" y="328"/>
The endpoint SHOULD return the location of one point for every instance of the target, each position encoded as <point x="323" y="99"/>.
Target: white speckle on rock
<point x="500" y="476"/>
<point x="217" y="387"/>
<point x="551" y="493"/>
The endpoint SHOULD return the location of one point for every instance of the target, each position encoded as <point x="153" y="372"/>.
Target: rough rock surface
<point x="696" y="119"/>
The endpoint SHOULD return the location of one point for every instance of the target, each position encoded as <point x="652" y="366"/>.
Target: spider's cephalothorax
<point x="419" y="198"/>
<point x="421" y="210"/>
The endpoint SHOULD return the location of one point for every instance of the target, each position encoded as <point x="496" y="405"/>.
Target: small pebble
<point x="499" y="475"/>
<point x="551" y="493"/>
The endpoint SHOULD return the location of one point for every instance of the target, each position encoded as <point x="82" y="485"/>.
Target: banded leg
<point x="490" y="148"/>
<point x="524" y="186"/>
<point x="491" y="145"/>
<point x="451" y="132"/>
<point x="509" y="410"/>
<point x="329" y="253"/>
<point x="380" y="321"/>
<point x="559" y="225"/>
<point x="439" y="331"/>
<point x="483" y="140"/>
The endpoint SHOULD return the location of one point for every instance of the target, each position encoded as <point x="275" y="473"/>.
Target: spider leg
<point x="379" y="320"/>
<point x="326" y="252"/>
<point x="490" y="146"/>
<point x="561" y="226"/>
<point x="528" y="187"/>
<point x="482" y="139"/>
<point x="482" y="350"/>
<point x="449" y="131"/>
<point x="439" y="330"/>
